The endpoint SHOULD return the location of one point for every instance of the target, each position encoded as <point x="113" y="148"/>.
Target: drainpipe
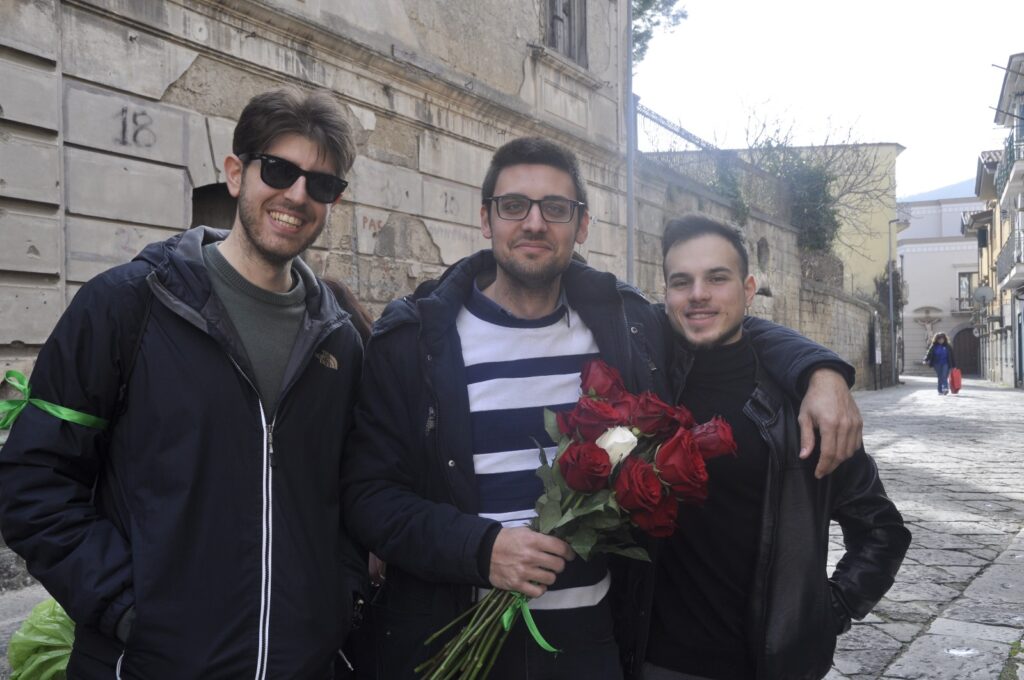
<point x="630" y="152"/>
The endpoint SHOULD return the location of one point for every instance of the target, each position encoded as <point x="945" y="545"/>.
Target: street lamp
<point x="903" y="224"/>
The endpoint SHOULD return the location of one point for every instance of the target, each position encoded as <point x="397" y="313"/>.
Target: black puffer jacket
<point x="795" y="611"/>
<point x="224" y="534"/>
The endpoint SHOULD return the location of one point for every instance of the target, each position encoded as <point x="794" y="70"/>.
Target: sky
<point x="912" y="72"/>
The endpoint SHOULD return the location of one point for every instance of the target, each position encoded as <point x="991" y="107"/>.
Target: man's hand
<point x="526" y="561"/>
<point x="829" y="407"/>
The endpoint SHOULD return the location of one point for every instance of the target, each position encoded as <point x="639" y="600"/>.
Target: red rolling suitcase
<point x="954" y="380"/>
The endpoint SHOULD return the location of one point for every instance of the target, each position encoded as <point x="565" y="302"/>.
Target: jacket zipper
<point x="263" y="629"/>
<point x="430" y="428"/>
<point x="263" y="649"/>
<point x="193" y="317"/>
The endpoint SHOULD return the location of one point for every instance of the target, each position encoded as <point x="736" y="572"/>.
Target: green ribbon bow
<point x="11" y="408"/>
<point x="521" y="606"/>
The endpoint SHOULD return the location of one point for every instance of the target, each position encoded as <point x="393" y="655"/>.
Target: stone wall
<point x="774" y="257"/>
<point x="844" y="324"/>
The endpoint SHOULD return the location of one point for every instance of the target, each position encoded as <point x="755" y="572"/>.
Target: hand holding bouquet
<point x="622" y="460"/>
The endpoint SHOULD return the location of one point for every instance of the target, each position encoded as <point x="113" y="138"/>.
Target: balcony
<point x="1013" y="155"/>
<point x="961" y="305"/>
<point x="1010" y="264"/>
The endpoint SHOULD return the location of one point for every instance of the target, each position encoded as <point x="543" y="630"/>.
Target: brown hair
<point x="361" y="319"/>
<point x="534" y="151"/>
<point x="315" y="115"/>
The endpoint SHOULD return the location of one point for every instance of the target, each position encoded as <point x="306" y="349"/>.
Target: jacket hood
<point x="436" y="303"/>
<point x="179" y="268"/>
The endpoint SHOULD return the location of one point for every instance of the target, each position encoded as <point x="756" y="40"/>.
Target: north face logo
<point x="327" y="359"/>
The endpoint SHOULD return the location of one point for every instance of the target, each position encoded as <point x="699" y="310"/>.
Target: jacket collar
<point x="180" y="269"/>
<point x="435" y="305"/>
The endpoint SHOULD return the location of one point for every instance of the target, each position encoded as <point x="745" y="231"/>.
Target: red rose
<point x="637" y="486"/>
<point x="591" y="418"/>
<point x="660" y="522"/>
<point x="585" y="467"/>
<point x="625" y="406"/>
<point x="681" y="466"/>
<point x="602" y="378"/>
<point x="714" y="438"/>
<point x="685" y="418"/>
<point x="653" y="417"/>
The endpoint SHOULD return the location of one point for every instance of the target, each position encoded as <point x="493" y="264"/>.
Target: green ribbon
<point x="521" y="605"/>
<point x="11" y="408"/>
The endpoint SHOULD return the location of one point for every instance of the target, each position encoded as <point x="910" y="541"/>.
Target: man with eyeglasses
<point x="198" y="534"/>
<point x="440" y="479"/>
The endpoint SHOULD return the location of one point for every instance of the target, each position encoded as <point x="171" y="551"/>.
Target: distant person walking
<point x="940" y="357"/>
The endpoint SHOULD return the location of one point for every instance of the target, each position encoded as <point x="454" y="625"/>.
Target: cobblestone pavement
<point x="953" y="466"/>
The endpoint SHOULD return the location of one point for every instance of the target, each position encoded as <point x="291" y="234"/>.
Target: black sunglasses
<point x="278" y="173"/>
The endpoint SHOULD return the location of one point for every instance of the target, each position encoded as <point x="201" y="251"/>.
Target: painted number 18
<point x="135" y="128"/>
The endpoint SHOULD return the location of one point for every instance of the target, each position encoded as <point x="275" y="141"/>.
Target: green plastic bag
<point x="40" y="649"/>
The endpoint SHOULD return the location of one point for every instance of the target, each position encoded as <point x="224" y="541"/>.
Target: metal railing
<point x="725" y="171"/>
<point x="961" y="304"/>
<point x="1011" y="254"/>
<point x="1013" y="150"/>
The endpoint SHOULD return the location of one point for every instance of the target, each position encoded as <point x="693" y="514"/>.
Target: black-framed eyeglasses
<point x="278" y="173"/>
<point x="552" y="208"/>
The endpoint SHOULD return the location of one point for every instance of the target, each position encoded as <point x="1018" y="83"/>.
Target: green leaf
<point x="42" y="646"/>
<point x="549" y="514"/>
<point x="596" y="502"/>
<point x="603" y="521"/>
<point x="551" y="425"/>
<point x="583" y="541"/>
<point x="546" y="475"/>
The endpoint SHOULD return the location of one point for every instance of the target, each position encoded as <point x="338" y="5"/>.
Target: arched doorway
<point x="966" y="352"/>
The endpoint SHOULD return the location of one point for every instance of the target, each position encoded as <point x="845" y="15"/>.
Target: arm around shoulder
<point x="790" y="358"/>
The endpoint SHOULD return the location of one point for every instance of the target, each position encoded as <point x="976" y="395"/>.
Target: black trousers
<point x="589" y="651"/>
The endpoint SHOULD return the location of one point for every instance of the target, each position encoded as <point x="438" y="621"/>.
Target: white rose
<point x="617" y="442"/>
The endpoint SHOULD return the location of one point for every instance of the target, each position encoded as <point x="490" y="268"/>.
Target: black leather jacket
<point x="795" y="611"/>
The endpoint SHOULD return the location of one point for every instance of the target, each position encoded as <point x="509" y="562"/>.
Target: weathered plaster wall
<point x="844" y="323"/>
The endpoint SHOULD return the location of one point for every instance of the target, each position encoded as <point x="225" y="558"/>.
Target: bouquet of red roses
<point x="622" y="460"/>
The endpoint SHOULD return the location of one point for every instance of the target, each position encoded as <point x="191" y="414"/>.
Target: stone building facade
<point x="117" y="114"/>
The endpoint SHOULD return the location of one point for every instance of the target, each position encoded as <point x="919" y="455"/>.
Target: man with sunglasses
<point x="440" y="478"/>
<point x="198" y="534"/>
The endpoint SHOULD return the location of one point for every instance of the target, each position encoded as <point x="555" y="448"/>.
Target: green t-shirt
<point x="266" y="322"/>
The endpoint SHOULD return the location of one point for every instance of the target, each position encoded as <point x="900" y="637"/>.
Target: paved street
<point x="953" y="465"/>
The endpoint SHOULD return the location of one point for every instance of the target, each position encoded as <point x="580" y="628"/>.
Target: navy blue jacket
<point x="223" y="533"/>
<point x="410" y="487"/>
<point x="410" y="491"/>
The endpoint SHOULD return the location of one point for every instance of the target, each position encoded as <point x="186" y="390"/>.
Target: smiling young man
<point x="441" y="479"/>
<point x="199" y="535"/>
<point x="740" y="591"/>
